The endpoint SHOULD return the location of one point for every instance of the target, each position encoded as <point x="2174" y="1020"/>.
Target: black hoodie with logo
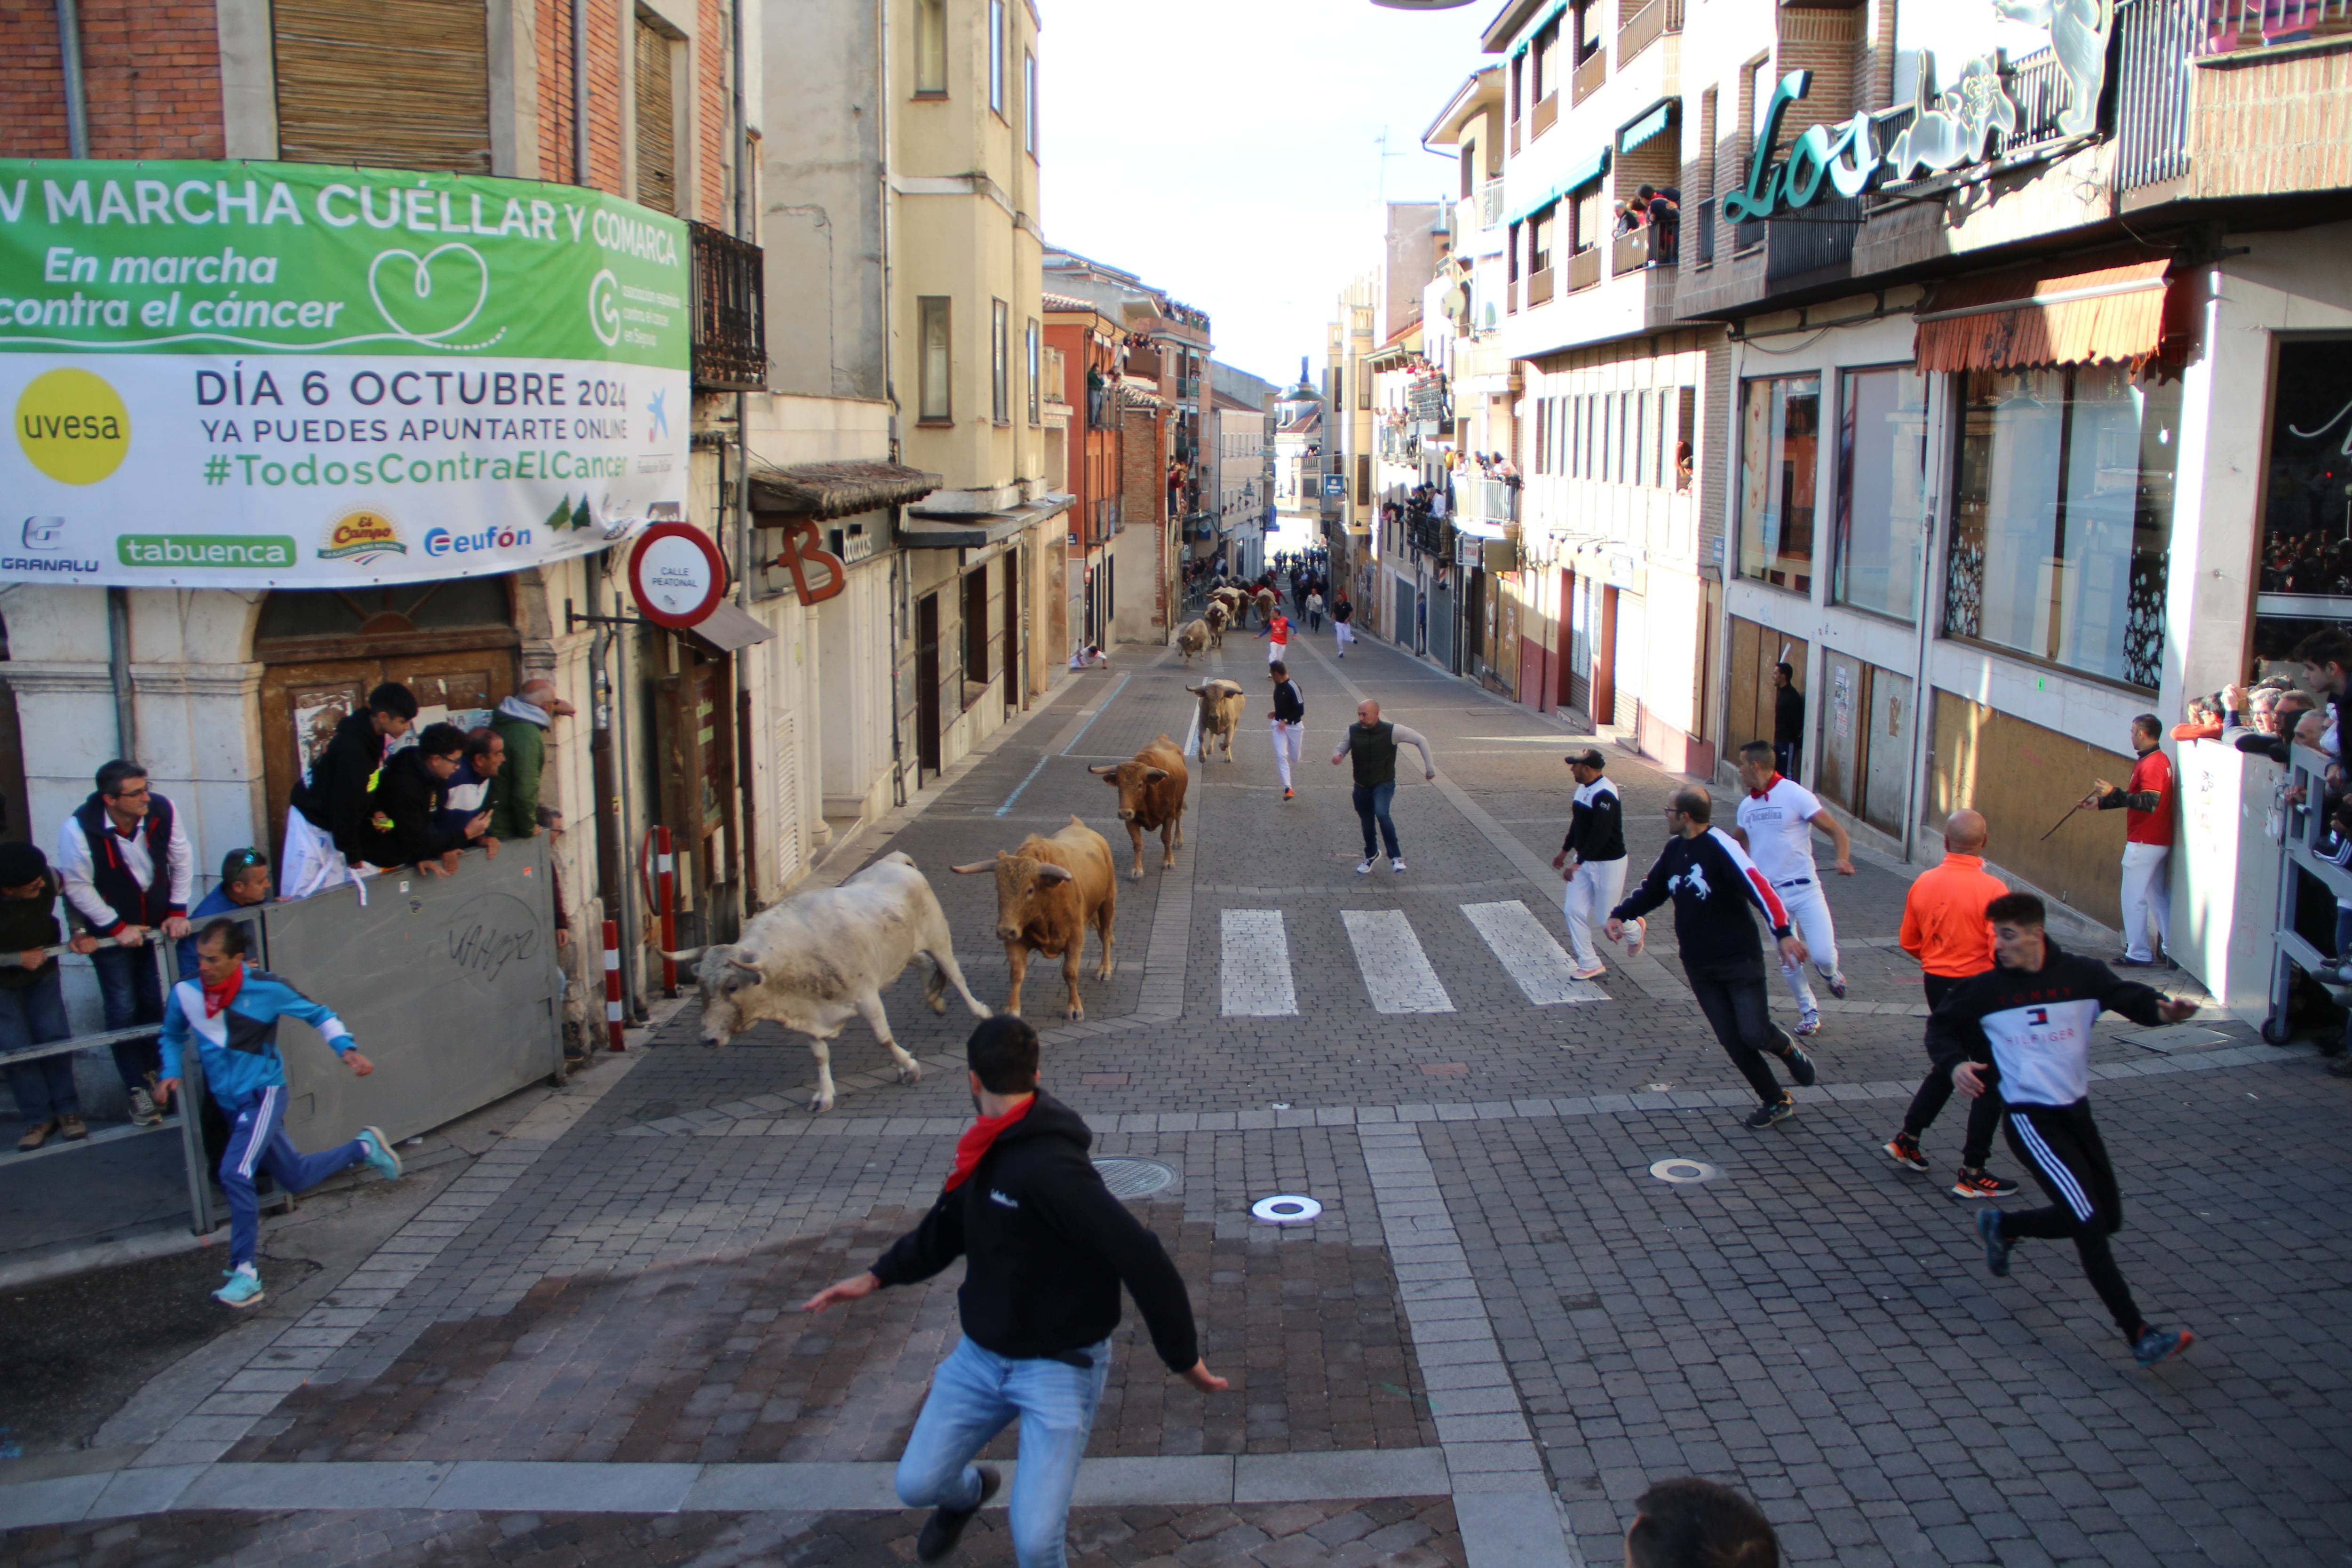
<point x="1047" y="1247"/>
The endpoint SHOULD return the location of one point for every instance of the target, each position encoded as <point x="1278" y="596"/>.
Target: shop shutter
<point x="657" y="122"/>
<point x="401" y="84"/>
<point x="787" y="765"/>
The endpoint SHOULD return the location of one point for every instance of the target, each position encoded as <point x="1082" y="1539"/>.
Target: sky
<point x="1228" y="151"/>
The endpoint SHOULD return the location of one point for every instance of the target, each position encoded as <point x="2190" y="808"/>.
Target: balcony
<point x="1539" y="288"/>
<point x="730" y="322"/>
<point x="1188" y="389"/>
<point x="1645" y="23"/>
<point x="1819" y="237"/>
<point x="1584" y="268"/>
<point x="1590" y="72"/>
<point x="2224" y="26"/>
<point x="1491" y="501"/>
<point x="1638" y="248"/>
<point x="1490" y="205"/>
<point x="1546" y="114"/>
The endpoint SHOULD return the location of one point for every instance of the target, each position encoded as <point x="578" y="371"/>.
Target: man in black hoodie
<point x="407" y="827"/>
<point x="328" y="831"/>
<point x="1046" y="1248"/>
<point x="2029" y="1019"/>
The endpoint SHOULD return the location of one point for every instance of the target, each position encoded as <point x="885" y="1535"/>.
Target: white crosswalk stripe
<point x="1254" y="969"/>
<point x="1529" y="955"/>
<point x="1396" y="971"/>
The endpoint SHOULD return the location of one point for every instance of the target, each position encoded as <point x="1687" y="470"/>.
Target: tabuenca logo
<point x="359" y="537"/>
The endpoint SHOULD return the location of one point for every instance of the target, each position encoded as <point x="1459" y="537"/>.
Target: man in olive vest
<point x="1371" y="745"/>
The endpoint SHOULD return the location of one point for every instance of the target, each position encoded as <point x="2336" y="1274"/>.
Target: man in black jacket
<point x="328" y="831"/>
<point x="2029" y="1018"/>
<point x="1596" y="839"/>
<point x="1712" y="883"/>
<point x="1046" y="1248"/>
<point x="407" y="827"/>
<point x="1289" y="717"/>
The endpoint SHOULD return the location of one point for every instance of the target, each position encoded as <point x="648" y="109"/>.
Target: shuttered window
<point x="401" y="84"/>
<point x="657" y="122"/>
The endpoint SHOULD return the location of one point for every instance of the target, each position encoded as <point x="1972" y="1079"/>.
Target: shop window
<point x="2062" y="517"/>
<point x="2306" y="553"/>
<point x="935" y="407"/>
<point x="931" y="47"/>
<point x="1780" y="437"/>
<point x="1880" y="526"/>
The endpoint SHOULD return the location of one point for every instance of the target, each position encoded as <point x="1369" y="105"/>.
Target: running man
<point x="1045" y="1249"/>
<point x="232" y="1012"/>
<point x="1776" y="822"/>
<point x="1371" y="745"/>
<point x="1944" y="926"/>
<point x="1591" y="858"/>
<point x="2030" y="1018"/>
<point x="1289" y="718"/>
<point x="1343" y="610"/>
<point x="1278" y="633"/>
<point x="1712" y="882"/>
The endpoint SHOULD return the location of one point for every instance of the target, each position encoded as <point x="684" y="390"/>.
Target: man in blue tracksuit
<point x="232" y="1014"/>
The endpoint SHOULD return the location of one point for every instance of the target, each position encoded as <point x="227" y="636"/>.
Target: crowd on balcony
<point x="1661" y="213"/>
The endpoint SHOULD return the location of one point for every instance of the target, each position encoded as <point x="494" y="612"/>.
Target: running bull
<point x="1151" y="788"/>
<point x="1048" y="891"/>
<point x="1221" y="713"/>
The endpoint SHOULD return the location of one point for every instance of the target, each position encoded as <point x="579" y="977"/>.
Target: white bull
<point x="822" y="958"/>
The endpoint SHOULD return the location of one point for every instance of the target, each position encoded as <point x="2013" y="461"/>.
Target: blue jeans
<point x="257" y="1140"/>
<point x="132" y="993"/>
<point x="34" y="1016"/>
<point x="975" y="1394"/>
<point x="1371" y="806"/>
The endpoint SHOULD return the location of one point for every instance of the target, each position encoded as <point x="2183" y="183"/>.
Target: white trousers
<point x="311" y="862"/>
<point x="1598" y="886"/>
<point x="1809" y="915"/>
<point x="1289" y="743"/>
<point x="2147" y="897"/>
<point x="1277" y="652"/>
<point x="1343" y="635"/>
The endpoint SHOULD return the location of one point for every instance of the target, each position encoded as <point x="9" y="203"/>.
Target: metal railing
<point x="730" y="323"/>
<point x="2152" y="96"/>
<point x="1540" y="286"/>
<point x="1188" y="389"/>
<point x="2221" y="26"/>
<point x="1590" y="72"/>
<point x="1822" y="236"/>
<point x="1488" y="500"/>
<point x="1630" y="251"/>
<point x="1645" y="22"/>
<point x="2306" y="826"/>
<point x="2040" y="89"/>
<point x="1546" y="112"/>
<point x="1584" y="268"/>
<point x="1490" y="205"/>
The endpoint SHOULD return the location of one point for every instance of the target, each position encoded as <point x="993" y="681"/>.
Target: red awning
<point x="2016" y="321"/>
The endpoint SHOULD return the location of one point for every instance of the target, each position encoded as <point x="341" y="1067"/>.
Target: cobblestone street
<point x="1501" y="1328"/>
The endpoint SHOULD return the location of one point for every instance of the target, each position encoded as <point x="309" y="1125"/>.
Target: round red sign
<point x="677" y="574"/>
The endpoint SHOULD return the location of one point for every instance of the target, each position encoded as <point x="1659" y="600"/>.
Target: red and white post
<point x="613" y="1022"/>
<point x="666" y="876"/>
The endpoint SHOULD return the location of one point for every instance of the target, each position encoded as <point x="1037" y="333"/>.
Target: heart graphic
<point x="433" y="305"/>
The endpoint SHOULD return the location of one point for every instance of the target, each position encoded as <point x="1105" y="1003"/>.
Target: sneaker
<point x="1904" y="1149"/>
<point x="2127" y="962"/>
<point x="376" y="1150"/>
<point x="36" y="1134"/>
<point x="1288" y="792"/>
<point x="2158" y="1345"/>
<point x="1397" y="864"/>
<point x="1764" y="1116"/>
<point x="1996" y="1244"/>
<point x="1595" y="973"/>
<point x="70" y="1129"/>
<point x="1365" y="869"/>
<point x="242" y="1290"/>
<point x="1809" y="1023"/>
<point x="1981" y="1183"/>
<point x="1800" y="1065"/>
<point x="142" y="1107"/>
<point x="945" y="1527"/>
<point x="1837" y="984"/>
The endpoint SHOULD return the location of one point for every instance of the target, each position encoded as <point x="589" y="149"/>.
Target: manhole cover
<point x="1285" y="1209"/>
<point x="1682" y="1171"/>
<point x="1134" y="1178"/>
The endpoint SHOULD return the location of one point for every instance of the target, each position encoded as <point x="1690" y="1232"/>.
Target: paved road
<point x="1501" y="1328"/>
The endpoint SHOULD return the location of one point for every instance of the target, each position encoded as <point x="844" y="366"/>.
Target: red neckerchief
<point x="1760" y="794"/>
<point x="973" y="1146"/>
<point x="218" y="997"/>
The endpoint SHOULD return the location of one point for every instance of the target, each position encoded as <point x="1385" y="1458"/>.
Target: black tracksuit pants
<point x="1732" y="997"/>
<point x="2060" y="1145"/>
<point x="1984" y="1111"/>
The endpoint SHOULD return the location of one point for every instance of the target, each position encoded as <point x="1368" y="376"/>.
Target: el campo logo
<point x="72" y="425"/>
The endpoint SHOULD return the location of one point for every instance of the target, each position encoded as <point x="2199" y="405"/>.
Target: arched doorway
<point x="453" y="643"/>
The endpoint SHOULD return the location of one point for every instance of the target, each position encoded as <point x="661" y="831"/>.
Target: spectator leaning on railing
<point x="414" y="791"/>
<point x="127" y="871"/>
<point x="32" y="1001"/>
<point x="244" y="885"/>
<point x="328" y="835"/>
<point x="523" y="721"/>
<point x="474" y="786"/>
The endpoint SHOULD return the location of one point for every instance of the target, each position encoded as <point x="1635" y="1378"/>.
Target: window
<point x="1880" y="523"/>
<point x="1589" y="226"/>
<point x="1036" y="358"/>
<point x="975" y="627"/>
<point x="1000" y="363"/>
<point x="996" y="55"/>
<point x="1539" y="255"/>
<point x="1029" y="100"/>
<point x="1685" y="435"/>
<point x="2062" y="517"/>
<point x="934" y="404"/>
<point x="656" y="121"/>
<point x="1589" y="23"/>
<point x="1780" y="443"/>
<point x="931" y="47"/>
<point x="1543" y="64"/>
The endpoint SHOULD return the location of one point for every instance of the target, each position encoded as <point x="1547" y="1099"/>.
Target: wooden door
<point x="927" y="683"/>
<point x="1603" y="708"/>
<point x="1016" y="661"/>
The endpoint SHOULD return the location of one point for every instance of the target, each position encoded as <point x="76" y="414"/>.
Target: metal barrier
<point x="2304" y="828"/>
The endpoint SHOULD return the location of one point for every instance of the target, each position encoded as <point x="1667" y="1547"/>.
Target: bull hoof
<point x="1075" y="1014"/>
<point x="911" y="1073"/>
<point x="938" y="1004"/>
<point x="1136" y="875"/>
<point x="819" y="1104"/>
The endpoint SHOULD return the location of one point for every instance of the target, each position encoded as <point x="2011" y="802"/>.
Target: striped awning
<point x="2033" y="317"/>
<point x="1656" y="118"/>
<point x="1527" y="34"/>
<point x="1584" y="172"/>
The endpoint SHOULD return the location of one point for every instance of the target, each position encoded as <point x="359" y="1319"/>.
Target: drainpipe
<point x="579" y="90"/>
<point x="748" y="858"/>
<point x="118" y="661"/>
<point x="70" y="61"/>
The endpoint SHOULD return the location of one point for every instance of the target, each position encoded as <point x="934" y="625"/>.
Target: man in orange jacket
<point x="1944" y="926"/>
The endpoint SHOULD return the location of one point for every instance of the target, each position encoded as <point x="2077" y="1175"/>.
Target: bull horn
<point x="1100" y="768"/>
<point x="686" y="955"/>
<point x="975" y="867"/>
<point x="1195" y="691"/>
<point x="752" y="969"/>
<point x="1053" y="873"/>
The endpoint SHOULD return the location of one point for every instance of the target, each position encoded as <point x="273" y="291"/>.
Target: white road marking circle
<point x="1684" y="1170"/>
<point x="1285" y="1209"/>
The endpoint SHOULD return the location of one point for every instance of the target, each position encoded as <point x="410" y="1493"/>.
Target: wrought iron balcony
<point x="730" y="322"/>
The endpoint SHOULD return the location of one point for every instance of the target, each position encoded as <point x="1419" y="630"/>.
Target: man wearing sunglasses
<point x="245" y="884"/>
<point x="127" y="869"/>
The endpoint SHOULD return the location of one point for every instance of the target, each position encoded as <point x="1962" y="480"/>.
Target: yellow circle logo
<point x="73" y="425"/>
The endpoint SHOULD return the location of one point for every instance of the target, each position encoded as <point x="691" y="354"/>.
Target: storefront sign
<point x="250" y="374"/>
<point x="676" y="575"/>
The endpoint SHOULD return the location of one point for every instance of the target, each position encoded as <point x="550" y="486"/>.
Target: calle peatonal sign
<point x="254" y="374"/>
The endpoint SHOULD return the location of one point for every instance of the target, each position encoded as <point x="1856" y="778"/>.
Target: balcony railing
<point x="1540" y="286"/>
<point x="2152" y="96"/>
<point x="1545" y="114"/>
<point x="1490" y="205"/>
<point x="2225" y="24"/>
<point x="1629" y="252"/>
<point x="1822" y="236"/>
<point x="1430" y="535"/>
<point x="1188" y="389"/>
<point x="1645" y="22"/>
<point x="1488" y="500"/>
<point x="730" y="320"/>
<point x="1590" y="72"/>
<point x="1584" y="268"/>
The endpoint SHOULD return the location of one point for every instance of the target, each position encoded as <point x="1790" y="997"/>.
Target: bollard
<point x="666" y="874"/>
<point x="612" y="986"/>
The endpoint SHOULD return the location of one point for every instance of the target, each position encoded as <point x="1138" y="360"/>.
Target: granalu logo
<point x="362" y="536"/>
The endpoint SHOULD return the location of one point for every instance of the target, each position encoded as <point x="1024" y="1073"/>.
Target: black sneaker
<point x="2155" y="1346"/>
<point x="1764" y="1116"/>
<point x="1982" y="1184"/>
<point x="1800" y="1065"/>
<point x="1997" y="1245"/>
<point x="1904" y="1149"/>
<point x="945" y="1527"/>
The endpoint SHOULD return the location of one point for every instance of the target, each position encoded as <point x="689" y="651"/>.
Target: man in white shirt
<point x="124" y="860"/>
<point x="1777" y="818"/>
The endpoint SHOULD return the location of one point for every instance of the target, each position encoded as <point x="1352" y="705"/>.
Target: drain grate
<point x="1129" y="1178"/>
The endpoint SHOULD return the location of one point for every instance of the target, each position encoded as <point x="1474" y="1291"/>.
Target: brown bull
<point x="1215" y="618"/>
<point x="1221" y="713"/>
<point x="1192" y="638"/>
<point x="1048" y="892"/>
<point x="1151" y="788"/>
